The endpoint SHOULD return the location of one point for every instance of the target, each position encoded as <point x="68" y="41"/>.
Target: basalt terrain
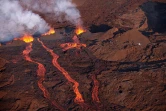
<point x="117" y="64"/>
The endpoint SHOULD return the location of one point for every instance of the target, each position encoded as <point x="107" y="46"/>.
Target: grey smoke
<point x="63" y="10"/>
<point x="15" y="21"/>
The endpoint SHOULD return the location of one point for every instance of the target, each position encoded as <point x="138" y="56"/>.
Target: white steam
<point x="63" y="10"/>
<point x="15" y="21"/>
<point x="72" y="14"/>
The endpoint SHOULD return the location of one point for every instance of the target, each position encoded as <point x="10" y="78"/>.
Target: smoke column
<point x="63" y="10"/>
<point x="15" y="21"/>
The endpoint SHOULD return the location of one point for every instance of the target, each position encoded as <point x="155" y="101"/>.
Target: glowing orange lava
<point x="79" y="30"/>
<point x="75" y="44"/>
<point x="67" y="46"/>
<point x="50" y="32"/>
<point x="78" y="99"/>
<point x="95" y="89"/>
<point x="41" y="74"/>
<point x="27" y="38"/>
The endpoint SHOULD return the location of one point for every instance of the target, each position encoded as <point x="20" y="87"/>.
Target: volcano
<point x="116" y="61"/>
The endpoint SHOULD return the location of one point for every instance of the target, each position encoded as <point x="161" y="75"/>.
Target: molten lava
<point x="50" y="32"/>
<point x="41" y="74"/>
<point x="95" y="89"/>
<point x="27" y="38"/>
<point x="75" y="44"/>
<point x="78" y="99"/>
<point x="67" y="46"/>
<point x="79" y="30"/>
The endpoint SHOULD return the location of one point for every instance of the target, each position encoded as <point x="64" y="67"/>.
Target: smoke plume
<point x="63" y="10"/>
<point x="15" y="21"/>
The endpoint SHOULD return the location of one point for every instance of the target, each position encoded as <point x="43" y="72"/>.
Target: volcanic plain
<point x="119" y="63"/>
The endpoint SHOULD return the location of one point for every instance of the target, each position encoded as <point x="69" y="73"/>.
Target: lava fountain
<point x="80" y="30"/>
<point x="50" y="32"/>
<point x="27" y="38"/>
<point x="78" y="99"/>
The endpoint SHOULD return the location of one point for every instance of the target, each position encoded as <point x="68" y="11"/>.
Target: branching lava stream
<point x="41" y="74"/>
<point x="78" y="99"/>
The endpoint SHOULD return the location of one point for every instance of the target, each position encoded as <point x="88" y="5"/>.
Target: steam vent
<point x="82" y="55"/>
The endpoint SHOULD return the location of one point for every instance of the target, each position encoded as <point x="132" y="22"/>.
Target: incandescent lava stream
<point x="41" y="74"/>
<point x="95" y="89"/>
<point x="78" y="99"/>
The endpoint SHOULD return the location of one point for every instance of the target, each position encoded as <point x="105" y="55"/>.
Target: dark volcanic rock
<point x="2" y="64"/>
<point x="156" y="15"/>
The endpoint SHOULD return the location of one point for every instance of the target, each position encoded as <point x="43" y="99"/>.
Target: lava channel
<point x="95" y="89"/>
<point x="78" y="99"/>
<point x="41" y="74"/>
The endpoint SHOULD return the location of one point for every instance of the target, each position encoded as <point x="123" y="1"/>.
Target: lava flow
<point x="75" y="44"/>
<point x="95" y="89"/>
<point x="67" y="46"/>
<point x="78" y="99"/>
<point x="41" y="74"/>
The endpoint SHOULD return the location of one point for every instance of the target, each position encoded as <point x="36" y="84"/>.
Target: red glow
<point x="75" y="39"/>
<point x="75" y="44"/>
<point x="41" y="74"/>
<point x="67" y="46"/>
<point x="95" y="89"/>
<point x="78" y="99"/>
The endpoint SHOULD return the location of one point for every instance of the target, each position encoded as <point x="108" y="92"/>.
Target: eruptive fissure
<point x="41" y="74"/>
<point x="78" y="99"/>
